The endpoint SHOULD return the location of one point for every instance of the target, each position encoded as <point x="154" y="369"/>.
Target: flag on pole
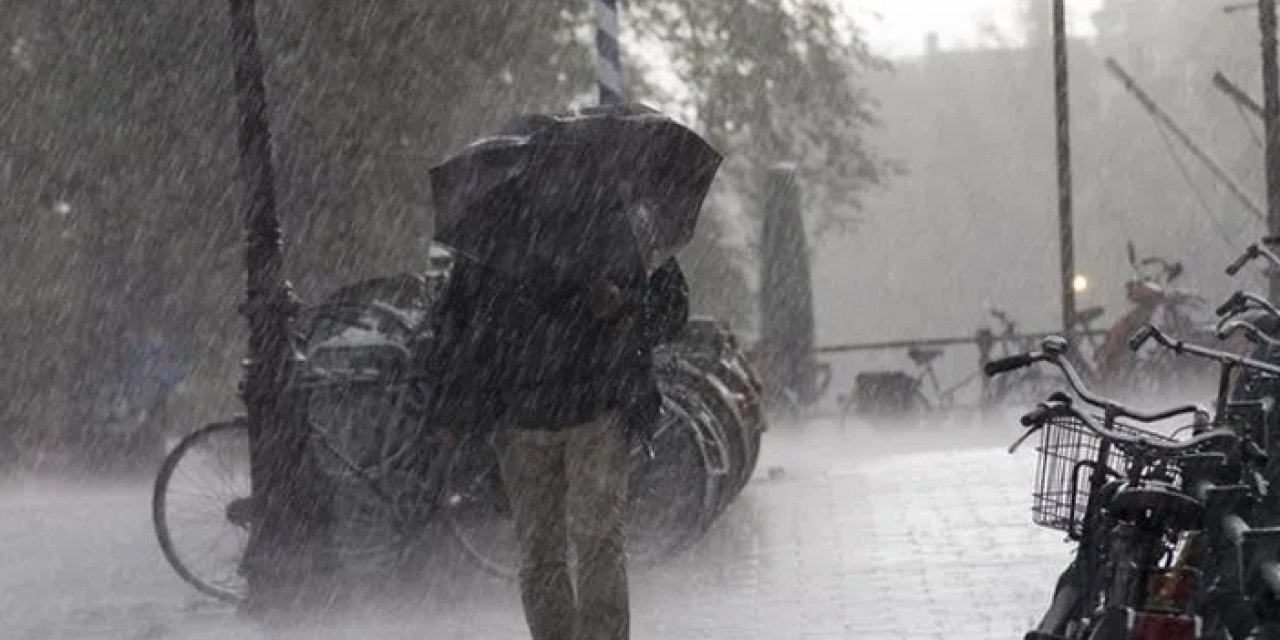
<point x="607" y="50"/>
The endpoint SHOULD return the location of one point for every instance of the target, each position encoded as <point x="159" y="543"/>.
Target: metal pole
<point x="268" y="310"/>
<point x="608" y="52"/>
<point x="1237" y="95"/>
<point x="1271" y="122"/>
<point x="893" y="345"/>
<point x="1062" y="111"/>
<point x="1182" y="136"/>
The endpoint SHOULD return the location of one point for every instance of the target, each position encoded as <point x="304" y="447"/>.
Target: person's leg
<point x="596" y="457"/>
<point x="532" y="465"/>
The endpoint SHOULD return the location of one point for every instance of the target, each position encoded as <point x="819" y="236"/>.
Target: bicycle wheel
<point x="366" y="440"/>
<point x="671" y="497"/>
<point x="478" y="511"/>
<point x="709" y="399"/>
<point x="200" y="508"/>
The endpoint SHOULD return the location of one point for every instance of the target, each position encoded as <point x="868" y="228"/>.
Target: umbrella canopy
<point x="599" y="190"/>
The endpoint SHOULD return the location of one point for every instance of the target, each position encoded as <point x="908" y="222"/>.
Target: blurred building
<point x="973" y="222"/>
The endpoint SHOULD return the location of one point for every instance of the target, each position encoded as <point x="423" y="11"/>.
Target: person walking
<point x="563" y="372"/>
<point x="564" y="230"/>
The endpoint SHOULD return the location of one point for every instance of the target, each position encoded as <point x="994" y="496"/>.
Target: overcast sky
<point x="899" y="27"/>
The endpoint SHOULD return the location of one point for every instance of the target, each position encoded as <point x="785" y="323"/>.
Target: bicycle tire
<point x="361" y="435"/>
<point x="702" y="394"/>
<point x="699" y="504"/>
<point x="681" y="517"/>
<point x="486" y="560"/>
<point x="754" y="420"/>
<point x="717" y="394"/>
<point x="161" y="512"/>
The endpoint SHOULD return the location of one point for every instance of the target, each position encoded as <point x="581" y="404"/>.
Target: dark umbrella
<point x="599" y="190"/>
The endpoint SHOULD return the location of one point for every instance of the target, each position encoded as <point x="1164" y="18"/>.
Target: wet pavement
<point x="844" y="533"/>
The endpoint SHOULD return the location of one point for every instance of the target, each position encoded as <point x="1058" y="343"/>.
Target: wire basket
<point x="1067" y="448"/>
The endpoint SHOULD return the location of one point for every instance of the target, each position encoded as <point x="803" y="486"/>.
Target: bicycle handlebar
<point x="1262" y="303"/>
<point x="1141" y="336"/>
<point x="1038" y="414"/>
<point x="1249" y="254"/>
<point x="1150" y="332"/>
<point x="1242" y="301"/>
<point x="1250" y="330"/>
<point x="1234" y="304"/>
<point x="1005" y="365"/>
<point x="1253" y="252"/>
<point x="1157" y="447"/>
<point x="1054" y="352"/>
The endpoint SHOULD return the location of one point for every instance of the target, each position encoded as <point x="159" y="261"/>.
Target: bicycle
<point x="1142" y="570"/>
<point x="355" y="465"/>
<point x="1247" y="590"/>
<point x="1117" y="369"/>
<point x="880" y="395"/>
<point x="387" y="476"/>
<point x="712" y="362"/>
<point x="702" y="452"/>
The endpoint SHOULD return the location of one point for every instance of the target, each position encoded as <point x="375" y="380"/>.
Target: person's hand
<point x="606" y="299"/>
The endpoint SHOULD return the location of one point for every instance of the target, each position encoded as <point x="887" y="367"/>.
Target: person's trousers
<point x="569" y="488"/>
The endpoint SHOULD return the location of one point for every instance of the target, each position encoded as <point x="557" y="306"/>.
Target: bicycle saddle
<point x="1156" y="501"/>
<point x="1088" y="316"/>
<point x="922" y="356"/>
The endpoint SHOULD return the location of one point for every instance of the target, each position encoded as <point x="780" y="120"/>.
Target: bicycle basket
<point x="1067" y="448"/>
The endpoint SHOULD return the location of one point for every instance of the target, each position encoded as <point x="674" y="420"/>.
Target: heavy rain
<point x="595" y="320"/>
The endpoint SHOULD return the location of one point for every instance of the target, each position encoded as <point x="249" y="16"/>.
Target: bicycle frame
<point x="432" y="483"/>
<point x="1103" y="542"/>
<point x="1241" y="559"/>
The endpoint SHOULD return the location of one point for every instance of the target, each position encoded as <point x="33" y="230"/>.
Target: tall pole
<point x="1271" y="122"/>
<point x="1062" y="110"/>
<point x="268" y="310"/>
<point x="608" y="52"/>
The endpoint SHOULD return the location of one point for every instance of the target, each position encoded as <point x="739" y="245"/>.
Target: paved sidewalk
<point x="857" y="533"/>
<point x="866" y="540"/>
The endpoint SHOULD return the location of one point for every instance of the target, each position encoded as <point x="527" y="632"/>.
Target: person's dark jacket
<point x="530" y="352"/>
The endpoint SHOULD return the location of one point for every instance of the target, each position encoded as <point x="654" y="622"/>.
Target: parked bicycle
<point x="894" y="395"/>
<point x="1155" y="299"/>
<point x="1162" y="550"/>
<point x="387" y="483"/>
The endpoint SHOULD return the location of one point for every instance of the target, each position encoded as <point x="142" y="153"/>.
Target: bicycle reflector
<point x="1163" y="626"/>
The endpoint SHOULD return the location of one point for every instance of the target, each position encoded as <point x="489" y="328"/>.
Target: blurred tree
<point x="769" y="81"/>
<point x="772" y="81"/>
<point x="118" y="193"/>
